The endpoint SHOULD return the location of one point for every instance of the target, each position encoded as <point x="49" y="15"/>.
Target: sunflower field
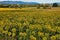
<point x="30" y="24"/>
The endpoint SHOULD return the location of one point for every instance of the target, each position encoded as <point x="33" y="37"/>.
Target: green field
<point x="29" y="24"/>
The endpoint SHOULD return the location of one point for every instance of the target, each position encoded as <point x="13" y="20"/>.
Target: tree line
<point x="29" y="5"/>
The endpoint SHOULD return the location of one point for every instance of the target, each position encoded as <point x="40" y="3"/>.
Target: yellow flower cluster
<point x="22" y="34"/>
<point x="5" y="32"/>
<point x="32" y="37"/>
<point x="14" y="30"/>
<point x="9" y="33"/>
<point x="40" y="34"/>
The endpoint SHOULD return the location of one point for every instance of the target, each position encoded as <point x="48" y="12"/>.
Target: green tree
<point x="55" y="4"/>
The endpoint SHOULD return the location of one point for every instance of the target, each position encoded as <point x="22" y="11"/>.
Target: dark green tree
<point x="55" y="4"/>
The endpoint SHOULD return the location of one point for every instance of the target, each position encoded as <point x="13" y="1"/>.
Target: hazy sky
<point x="40" y="1"/>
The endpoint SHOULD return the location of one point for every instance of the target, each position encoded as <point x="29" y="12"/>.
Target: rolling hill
<point x="17" y="2"/>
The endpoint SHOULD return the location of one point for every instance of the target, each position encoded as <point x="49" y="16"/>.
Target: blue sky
<point x="39" y="1"/>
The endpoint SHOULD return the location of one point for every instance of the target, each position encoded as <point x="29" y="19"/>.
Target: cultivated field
<point x="29" y="24"/>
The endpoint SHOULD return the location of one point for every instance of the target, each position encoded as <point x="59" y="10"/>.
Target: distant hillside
<point x="17" y="2"/>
